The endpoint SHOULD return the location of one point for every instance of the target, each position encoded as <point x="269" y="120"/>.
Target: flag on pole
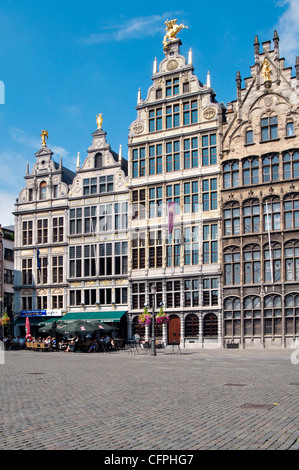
<point x="38" y="259"/>
<point x="171" y="214"/>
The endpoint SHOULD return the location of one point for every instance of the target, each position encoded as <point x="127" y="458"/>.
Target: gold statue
<point x="99" y="121"/>
<point x="266" y="72"/>
<point x="172" y="29"/>
<point x="43" y="135"/>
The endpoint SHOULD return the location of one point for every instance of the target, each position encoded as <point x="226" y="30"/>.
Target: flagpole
<point x="269" y="241"/>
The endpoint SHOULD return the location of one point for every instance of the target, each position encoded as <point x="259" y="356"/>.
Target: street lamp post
<point x="153" y="340"/>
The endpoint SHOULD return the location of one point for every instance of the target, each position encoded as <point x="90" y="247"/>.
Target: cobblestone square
<point x="198" y="400"/>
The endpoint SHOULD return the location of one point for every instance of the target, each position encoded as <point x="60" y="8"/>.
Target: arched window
<point x="210" y="325"/>
<point x="289" y="129"/>
<point x="292" y="314"/>
<point x="191" y="325"/>
<point x="231" y="174"/>
<point x="252" y="316"/>
<point x="270" y="168"/>
<point x="250" y="169"/>
<point x="251" y="216"/>
<point x="43" y="190"/>
<point x="252" y="264"/>
<point x="98" y="160"/>
<point x="271" y="211"/>
<point x="272" y="315"/>
<point x="232" y="265"/>
<point x="291" y="211"/>
<point x="231" y="215"/>
<point x="291" y="164"/>
<point x="291" y="256"/>
<point x="272" y="263"/>
<point x="232" y="317"/>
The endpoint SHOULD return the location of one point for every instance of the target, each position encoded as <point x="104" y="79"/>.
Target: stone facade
<point x="260" y="205"/>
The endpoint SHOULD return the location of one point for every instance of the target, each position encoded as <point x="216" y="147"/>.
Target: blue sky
<point x="63" y="62"/>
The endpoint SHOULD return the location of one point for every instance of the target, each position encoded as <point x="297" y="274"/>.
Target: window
<point x="121" y="295"/>
<point x="42" y="231"/>
<point x="290" y="129"/>
<point x="209" y="150"/>
<point x="75" y="260"/>
<point x="292" y="314"/>
<point x="173" y="248"/>
<point x="249" y="137"/>
<point x="42" y="274"/>
<point x="138" y="295"/>
<point x="57" y="269"/>
<point x="173" y="195"/>
<point x="27" y="232"/>
<point x="42" y="302"/>
<point x="269" y="128"/>
<point x="8" y="276"/>
<point x="106" y="184"/>
<point x="106" y="217"/>
<point x="90" y="219"/>
<point x="291" y="211"/>
<point x="158" y="295"/>
<point x="291" y="255"/>
<point x="138" y="250"/>
<point x="209" y="194"/>
<point x="172" y="116"/>
<point x="159" y="94"/>
<point x="155" y="120"/>
<point x="105" y="259"/>
<point x="191" y="247"/>
<point x="231" y="175"/>
<point x="190" y="114"/>
<point x="138" y="206"/>
<point x="173" y="156"/>
<point x="121" y="258"/>
<point x="210" y="291"/>
<point x="76" y="221"/>
<point x="43" y="190"/>
<point x="155" y="202"/>
<point x="57" y="301"/>
<point x="8" y="254"/>
<point x="90" y="186"/>
<point x="270" y="168"/>
<point x="272" y="263"/>
<point x="90" y="296"/>
<point x="252" y="316"/>
<point x="251" y="216"/>
<point x="191" y="153"/>
<point x="191" y="197"/>
<point x="173" y="294"/>
<point x="172" y="86"/>
<point x="191" y="326"/>
<point x="291" y="165"/>
<point x="155" y="249"/>
<point x="231" y="266"/>
<point x="232" y="317"/>
<point x="27" y="277"/>
<point x="271" y="211"/>
<point x="121" y="215"/>
<point x="27" y="303"/>
<point x="155" y="159"/>
<point x="210" y="244"/>
<point x="57" y="230"/>
<point x="89" y="252"/>
<point x="252" y="264"/>
<point x="75" y="297"/>
<point x="210" y="325"/>
<point x="272" y="315"/>
<point x="105" y="296"/>
<point x="250" y="171"/>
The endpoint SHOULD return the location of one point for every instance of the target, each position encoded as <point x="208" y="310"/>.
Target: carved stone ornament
<point x="138" y="128"/>
<point x="209" y="112"/>
<point x="172" y="64"/>
<point x="268" y="100"/>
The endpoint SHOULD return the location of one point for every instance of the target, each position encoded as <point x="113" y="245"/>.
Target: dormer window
<point x="289" y="129"/>
<point x="172" y="86"/>
<point x="43" y="190"/>
<point x="249" y="136"/>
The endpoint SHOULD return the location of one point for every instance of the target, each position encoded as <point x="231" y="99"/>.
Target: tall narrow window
<point x="269" y="128"/>
<point x="43" y="190"/>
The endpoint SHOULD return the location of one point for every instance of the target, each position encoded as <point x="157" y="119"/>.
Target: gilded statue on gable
<point x="266" y="71"/>
<point x="100" y="121"/>
<point x="43" y="135"/>
<point x="172" y="29"/>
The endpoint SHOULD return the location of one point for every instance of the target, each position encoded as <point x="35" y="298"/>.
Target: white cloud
<point x="288" y="30"/>
<point x="27" y="140"/>
<point x="133" y="28"/>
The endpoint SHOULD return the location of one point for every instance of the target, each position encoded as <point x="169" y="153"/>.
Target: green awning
<point x="36" y="321"/>
<point x="107" y="317"/>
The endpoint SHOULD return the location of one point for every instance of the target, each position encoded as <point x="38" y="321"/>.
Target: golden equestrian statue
<point x="43" y="135"/>
<point x="266" y="72"/>
<point x="172" y="29"/>
<point x="99" y="121"/>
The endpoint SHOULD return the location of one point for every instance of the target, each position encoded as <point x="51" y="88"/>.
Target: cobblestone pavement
<point x="122" y="401"/>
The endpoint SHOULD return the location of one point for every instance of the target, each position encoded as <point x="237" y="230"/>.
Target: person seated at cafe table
<point x="94" y="346"/>
<point x="71" y="346"/>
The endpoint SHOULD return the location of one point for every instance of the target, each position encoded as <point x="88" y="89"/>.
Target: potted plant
<point x="161" y="317"/>
<point x="144" y="318"/>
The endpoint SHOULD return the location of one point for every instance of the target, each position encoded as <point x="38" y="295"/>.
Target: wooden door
<point x="174" y="327"/>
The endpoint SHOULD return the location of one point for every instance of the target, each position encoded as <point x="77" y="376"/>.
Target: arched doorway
<point x="210" y="325"/>
<point x="174" y="329"/>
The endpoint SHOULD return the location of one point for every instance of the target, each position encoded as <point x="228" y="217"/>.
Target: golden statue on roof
<point x="100" y="121"/>
<point x="266" y="71"/>
<point x="43" y="135"/>
<point x="172" y="29"/>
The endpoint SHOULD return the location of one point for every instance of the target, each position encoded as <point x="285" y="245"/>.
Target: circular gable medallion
<point x="172" y="64"/>
<point x="209" y="113"/>
<point x="138" y="128"/>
